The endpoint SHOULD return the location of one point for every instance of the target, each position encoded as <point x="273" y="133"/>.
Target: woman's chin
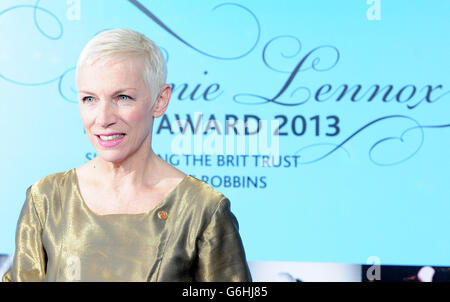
<point x="112" y="157"/>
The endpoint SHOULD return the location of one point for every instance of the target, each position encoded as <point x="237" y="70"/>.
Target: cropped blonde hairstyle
<point x="122" y="44"/>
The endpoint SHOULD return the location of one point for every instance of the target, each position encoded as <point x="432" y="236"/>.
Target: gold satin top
<point x="190" y="236"/>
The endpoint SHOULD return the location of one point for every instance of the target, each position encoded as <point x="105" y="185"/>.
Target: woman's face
<point x="115" y="107"/>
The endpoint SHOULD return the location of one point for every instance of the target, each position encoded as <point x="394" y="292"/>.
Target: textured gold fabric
<point x="59" y="238"/>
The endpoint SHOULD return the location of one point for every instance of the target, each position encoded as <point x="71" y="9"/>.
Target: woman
<point x="126" y="215"/>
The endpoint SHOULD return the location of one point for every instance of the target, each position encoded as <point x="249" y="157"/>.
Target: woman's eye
<point x="88" y="99"/>
<point x="123" y="97"/>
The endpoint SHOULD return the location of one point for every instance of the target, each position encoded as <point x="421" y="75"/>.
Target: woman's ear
<point x="162" y="101"/>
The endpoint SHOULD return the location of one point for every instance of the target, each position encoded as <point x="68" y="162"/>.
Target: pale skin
<point x="128" y="178"/>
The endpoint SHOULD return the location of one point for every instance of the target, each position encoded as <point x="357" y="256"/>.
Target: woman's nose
<point x="106" y="114"/>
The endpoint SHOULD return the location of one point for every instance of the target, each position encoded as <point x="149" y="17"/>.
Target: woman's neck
<point x="134" y="172"/>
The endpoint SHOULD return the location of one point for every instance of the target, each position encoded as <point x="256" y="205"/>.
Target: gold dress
<point x="190" y="236"/>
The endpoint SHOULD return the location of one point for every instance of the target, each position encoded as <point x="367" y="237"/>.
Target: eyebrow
<point x="114" y="93"/>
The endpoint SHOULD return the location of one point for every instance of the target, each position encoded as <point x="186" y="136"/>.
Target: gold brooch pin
<point x="163" y="215"/>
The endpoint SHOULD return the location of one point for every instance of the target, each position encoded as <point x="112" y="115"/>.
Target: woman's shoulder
<point x="203" y="196"/>
<point x="44" y="194"/>
<point x="52" y="182"/>
<point x="206" y="206"/>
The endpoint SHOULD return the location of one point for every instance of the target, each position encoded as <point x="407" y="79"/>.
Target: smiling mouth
<point x="111" y="137"/>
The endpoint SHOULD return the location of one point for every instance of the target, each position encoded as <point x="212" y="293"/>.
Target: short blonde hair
<point x="123" y="44"/>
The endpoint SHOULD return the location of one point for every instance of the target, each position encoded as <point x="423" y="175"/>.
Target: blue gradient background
<point x="343" y="208"/>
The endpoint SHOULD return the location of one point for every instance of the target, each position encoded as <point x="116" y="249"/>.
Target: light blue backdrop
<point x="373" y="169"/>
